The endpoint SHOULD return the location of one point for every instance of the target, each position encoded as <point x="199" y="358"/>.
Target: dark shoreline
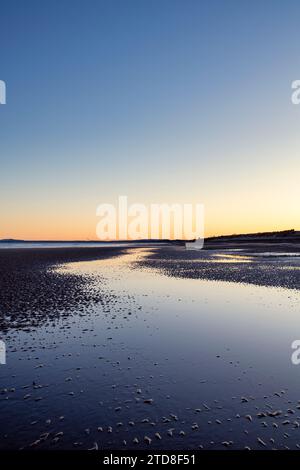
<point x="127" y="359"/>
<point x="31" y="292"/>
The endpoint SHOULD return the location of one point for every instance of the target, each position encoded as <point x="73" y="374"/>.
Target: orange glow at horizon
<point x="248" y="205"/>
<point x="84" y="228"/>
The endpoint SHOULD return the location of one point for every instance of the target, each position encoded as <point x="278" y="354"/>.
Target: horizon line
<point x="16" y="240"/>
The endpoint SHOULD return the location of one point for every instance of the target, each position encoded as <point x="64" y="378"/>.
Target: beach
<point x="149" y="348"/>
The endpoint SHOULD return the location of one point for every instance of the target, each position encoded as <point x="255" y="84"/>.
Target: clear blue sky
<point x="161" y="100"/>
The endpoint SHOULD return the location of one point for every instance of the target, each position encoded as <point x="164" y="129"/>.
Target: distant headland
<point x="276" y="236"/>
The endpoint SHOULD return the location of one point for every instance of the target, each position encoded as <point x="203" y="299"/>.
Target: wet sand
<point x="263" y="265"/>
<point x="31" y="291"/>
<point x="148" y="348"/>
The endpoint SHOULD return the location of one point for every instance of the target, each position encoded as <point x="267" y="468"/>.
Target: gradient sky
<point x="160" y="100"/>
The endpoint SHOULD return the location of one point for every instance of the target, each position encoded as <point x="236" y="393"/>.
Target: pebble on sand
<point x="149" y="401"/>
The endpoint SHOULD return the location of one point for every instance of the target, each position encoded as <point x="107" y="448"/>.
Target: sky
<point x="165" y="101"/>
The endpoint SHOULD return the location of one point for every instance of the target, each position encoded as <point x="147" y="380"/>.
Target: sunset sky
<point x="165" y="101"/>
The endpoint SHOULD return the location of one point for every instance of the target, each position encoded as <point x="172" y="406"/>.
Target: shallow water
<point x="210" y="354"/>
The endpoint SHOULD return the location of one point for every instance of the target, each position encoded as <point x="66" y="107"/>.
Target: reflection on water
<point x="187" y="363"/>
<point x="276" y="254"/>
<point x="229" y="258"/>
<point x="22" y="245"/>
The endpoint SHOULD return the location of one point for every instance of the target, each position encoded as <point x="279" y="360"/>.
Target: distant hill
<point x="87" y="242"/>
<point x="11" y="240"/>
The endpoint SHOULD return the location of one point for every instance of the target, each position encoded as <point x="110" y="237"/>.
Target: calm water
<point x="15" y="245"/>
<point x="211" y="355"/>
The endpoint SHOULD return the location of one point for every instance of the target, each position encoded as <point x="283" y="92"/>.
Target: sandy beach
<point x="161" y="348"/>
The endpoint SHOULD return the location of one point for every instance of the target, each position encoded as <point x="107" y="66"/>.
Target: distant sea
<point x="37" y="244"/>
